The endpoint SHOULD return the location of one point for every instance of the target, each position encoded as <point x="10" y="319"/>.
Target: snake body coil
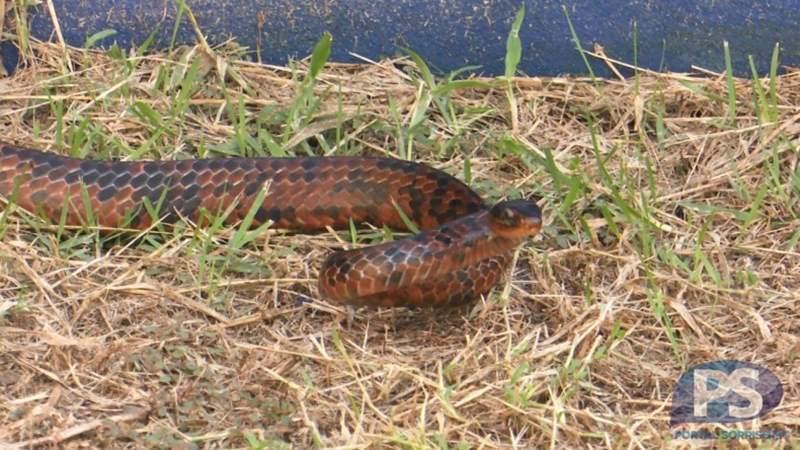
<point x="461" y="252"/>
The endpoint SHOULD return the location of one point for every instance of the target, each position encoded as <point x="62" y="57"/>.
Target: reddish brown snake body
<point x="462" y="251"/>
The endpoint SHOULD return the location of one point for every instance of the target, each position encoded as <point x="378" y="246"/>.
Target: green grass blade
<point x="773" y="80"/>
<point x="514" y="44"/>
<point x="576" y="40"/>
<point x="423" y="68"/>
<point x="243" y="234"/>
<point x="730" y="84"/>
<point x="320" y="55"/>
<point x="406" y="220"/>
<point x="92" y="40"/>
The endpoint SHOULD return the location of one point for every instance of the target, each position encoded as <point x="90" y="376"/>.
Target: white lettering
<point x="705" y="392"/>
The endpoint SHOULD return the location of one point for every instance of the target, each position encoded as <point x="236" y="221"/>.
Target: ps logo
<point x="725" y="392"/>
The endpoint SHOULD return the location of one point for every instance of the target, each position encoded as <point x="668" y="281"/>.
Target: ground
<point x="670" y="239"/>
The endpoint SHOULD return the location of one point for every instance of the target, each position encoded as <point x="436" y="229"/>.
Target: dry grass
<point x="670" y="241"/>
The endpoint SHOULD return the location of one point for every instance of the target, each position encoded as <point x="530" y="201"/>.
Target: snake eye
<point x="509" y="215"/>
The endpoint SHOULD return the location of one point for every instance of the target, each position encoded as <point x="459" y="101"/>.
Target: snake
<point x="457" y="249"/>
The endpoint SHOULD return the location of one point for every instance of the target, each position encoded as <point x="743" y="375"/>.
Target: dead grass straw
<point x="133" y="343"/>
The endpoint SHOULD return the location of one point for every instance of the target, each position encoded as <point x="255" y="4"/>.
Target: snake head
<point x="515" y="219"/>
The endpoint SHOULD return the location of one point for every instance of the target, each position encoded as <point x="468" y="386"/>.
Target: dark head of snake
<point x="514" y="219"/>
